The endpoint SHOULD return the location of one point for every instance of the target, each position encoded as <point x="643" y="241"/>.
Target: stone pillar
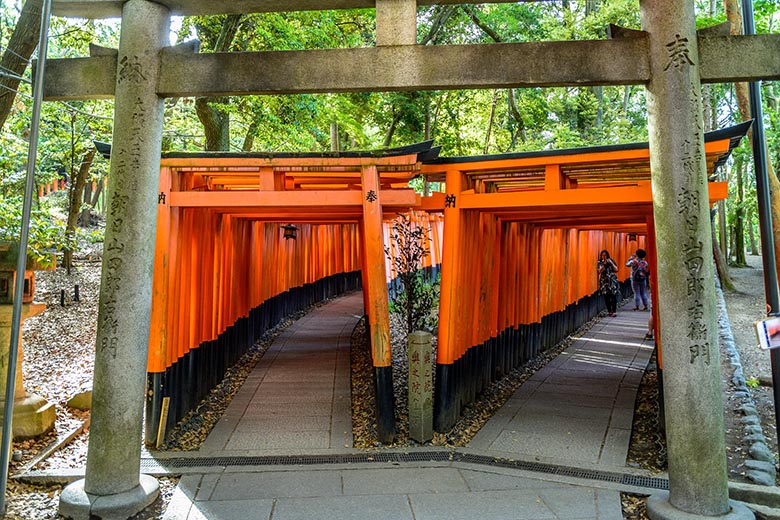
<point x="33" y="415"/>
<point x="113" y="487"/>
<point x="698" y="484"/>
<point x="420" y="386"/>
<point x="396" y="22"/>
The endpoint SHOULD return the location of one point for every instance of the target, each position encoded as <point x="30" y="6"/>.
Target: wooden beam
<point x="553" y="179"/>
<point x="584" y="198"/>
<point x="277" y="199"/>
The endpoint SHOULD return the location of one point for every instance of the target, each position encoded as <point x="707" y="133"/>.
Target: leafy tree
<point x="418" y="300"/>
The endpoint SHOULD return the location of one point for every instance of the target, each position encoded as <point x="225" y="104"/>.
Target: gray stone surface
<point x="298" y="397"/>
<point x="427" y="490"/>
<point x="78" y="504"/>
<point x="659" y="508"/>
<point x="81" y="401"/>
<point x="515" y="504"/>
<point x="396" y="22"/>
<point x="761" y="451"/>
<point x="125" y="299"/>
<point x="748" y="409"/>
<point x="761" y="477"/>
<point x="579" y="409"/>
<point x="391" y="507"/>
<point x="420" y="386"/>
<point x="688" y="313"/>
<point x="243" y="486"/>
<point x="760" y="465"/>
<point x="403" y="481"/>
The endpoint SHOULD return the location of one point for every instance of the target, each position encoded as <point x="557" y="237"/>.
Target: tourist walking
<point x="608" y="281"/>
<point x="640" y="271"/>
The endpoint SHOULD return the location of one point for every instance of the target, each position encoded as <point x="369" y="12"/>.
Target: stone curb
<point x="753" y="437"/>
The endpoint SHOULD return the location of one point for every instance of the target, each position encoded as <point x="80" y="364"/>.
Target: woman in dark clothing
<point x="608" y="281"/>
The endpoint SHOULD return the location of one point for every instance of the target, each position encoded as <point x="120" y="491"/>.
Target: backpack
<point x="641" y="273"/>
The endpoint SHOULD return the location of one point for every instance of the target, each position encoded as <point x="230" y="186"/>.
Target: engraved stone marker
<point x="420" y="386"/>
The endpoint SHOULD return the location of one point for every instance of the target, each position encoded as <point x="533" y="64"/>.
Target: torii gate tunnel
<point x="225" y="274"/>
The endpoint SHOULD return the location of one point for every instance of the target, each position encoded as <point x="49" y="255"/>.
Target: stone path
<point x="576" y="411"/>
<point x="297" y="399"/>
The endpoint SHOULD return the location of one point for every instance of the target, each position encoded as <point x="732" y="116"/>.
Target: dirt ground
<point x="744" y="306"/>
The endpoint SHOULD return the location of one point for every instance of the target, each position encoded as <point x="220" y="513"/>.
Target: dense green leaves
<point x="465" y="122"/>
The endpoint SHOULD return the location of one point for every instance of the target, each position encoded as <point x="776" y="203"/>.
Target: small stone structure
<point x="32" y="414"/>
<point x="420" y="386"/>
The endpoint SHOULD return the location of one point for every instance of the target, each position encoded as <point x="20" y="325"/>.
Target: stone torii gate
<point x="667" y="56"/>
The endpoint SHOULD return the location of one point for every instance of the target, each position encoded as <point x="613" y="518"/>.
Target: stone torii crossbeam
<point x="667" y="57"/>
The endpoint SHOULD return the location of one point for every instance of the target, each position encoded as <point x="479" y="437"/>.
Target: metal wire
<point x="5" y="446"/>
<point x="7" y="49"/>
<point x="12" y="75"/>
<point x="15" y="91"/>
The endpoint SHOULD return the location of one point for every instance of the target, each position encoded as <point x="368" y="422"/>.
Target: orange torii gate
<point x="224" y="274"/>
<point x="540" y="220"/>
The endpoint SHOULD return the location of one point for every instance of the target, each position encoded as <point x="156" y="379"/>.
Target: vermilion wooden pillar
<point x="445" y="408"/>
<point x="158" y="340"/>
<point x="378" y="314"/>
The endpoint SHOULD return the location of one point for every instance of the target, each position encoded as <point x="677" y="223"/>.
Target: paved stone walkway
<point x="575" y="412"/>
<point x="297" y="399"/>
<point x="578" y="409"/>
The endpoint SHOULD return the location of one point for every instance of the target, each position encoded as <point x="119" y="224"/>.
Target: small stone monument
<point x="420" y="386"/>
<point x="32" y="414"/>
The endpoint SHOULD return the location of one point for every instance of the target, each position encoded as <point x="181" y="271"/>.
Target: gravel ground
<point x="59" y="352"/>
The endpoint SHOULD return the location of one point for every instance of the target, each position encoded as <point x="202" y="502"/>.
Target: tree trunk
<point x="626" y="99"/>
<point x="215" y="120"/>
<point x="20" y="47"/>
<point x="391" y="130"/>
<point x="443" y="14"/>
<point x="599" y="93"/>
<point x="216" y="124"/>
<point x="97" y="194"/>
<point x="734" y="17"/>
<point x="87" y="201"/>
<point x="486" y="149"/>
<point x="721" y="263"/>
<point x="518" y="117"/>
<point x="724" y="239"/>
<point x="752" y="236"/>
<point x="74" y="206"/>
<point x="706" y="107"/>
<point x="335" y="145"/>
<point x="427" y="130"/>
<point x="249" y="138"/>
<point x="739" y="214"/>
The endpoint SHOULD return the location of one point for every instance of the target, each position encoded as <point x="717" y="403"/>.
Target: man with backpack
<point x="640" y="272"/>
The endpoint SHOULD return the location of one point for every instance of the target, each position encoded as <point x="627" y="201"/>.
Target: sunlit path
<point x="578" y="409"/>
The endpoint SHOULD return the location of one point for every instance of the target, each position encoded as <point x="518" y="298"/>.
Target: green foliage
<point x="752" y="382"/>
<point x="45" y="236"/>
<point x="522" y="120"/>
<point x="418" y="301"/>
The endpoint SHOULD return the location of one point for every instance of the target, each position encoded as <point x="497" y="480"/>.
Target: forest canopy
<point x="462" y="122"/>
